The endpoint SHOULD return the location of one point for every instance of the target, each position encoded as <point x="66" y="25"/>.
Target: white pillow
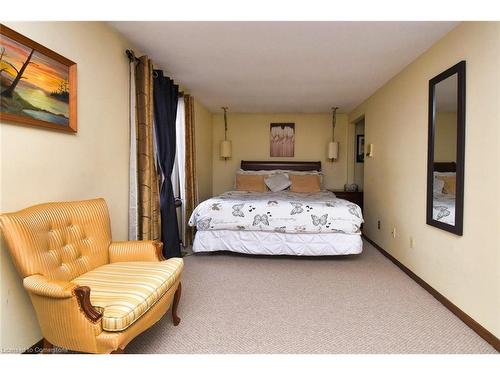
<point x="438" y="186"/>
<point x="278" y="182"/>
<point x="274" y="171"/>
<point x="302" y="172"/>
<point x="242" y="171"/>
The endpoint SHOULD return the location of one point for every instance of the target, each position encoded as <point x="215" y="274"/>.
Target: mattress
<point x="275" y="243"/>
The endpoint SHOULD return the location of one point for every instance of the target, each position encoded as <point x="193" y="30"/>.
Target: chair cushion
<point x="126" y="290"/>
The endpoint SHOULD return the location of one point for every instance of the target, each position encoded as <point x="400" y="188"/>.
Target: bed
<point x="443" y="204"/>
<point x="278" y="223"/>
<point x="443" y="208"/>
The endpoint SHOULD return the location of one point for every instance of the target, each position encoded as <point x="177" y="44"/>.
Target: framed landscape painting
<point x="37" y="85"/>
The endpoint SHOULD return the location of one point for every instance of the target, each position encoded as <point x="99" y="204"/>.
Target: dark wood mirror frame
<point x="457" y="229"/>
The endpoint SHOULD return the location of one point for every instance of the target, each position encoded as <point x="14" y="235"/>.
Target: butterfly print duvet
<point x="443" y="208"/>
<point x="284" y="212"/>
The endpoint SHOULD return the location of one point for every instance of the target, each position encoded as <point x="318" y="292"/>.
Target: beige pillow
<point x="305" y="183"/>
<point x="450" y="184"/>
<point x="251" y="182"/>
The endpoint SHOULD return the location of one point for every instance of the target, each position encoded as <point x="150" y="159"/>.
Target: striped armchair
<point x="90" y="294"/>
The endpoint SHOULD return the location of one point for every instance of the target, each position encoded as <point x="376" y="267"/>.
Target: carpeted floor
<point x="357" y="304"/>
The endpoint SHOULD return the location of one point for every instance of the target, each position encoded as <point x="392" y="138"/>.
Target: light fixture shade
<point x="225" y="149"/>
<point x="369" y="151"/>
<point x="333" y="150"/>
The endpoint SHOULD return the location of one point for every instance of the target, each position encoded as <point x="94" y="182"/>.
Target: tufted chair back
<point x="58" y="240"/>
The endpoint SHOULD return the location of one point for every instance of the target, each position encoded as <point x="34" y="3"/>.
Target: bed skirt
<point x="274" y="243"/>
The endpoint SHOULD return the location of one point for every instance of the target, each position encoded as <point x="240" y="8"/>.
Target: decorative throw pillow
<point x="450" y="184"/>
<point x="305" y="183"/>
<point x="438" y="185"/>
<point x="249" y="182"/>
<point x="277" y="182"/>
<point x="300" y="173"/>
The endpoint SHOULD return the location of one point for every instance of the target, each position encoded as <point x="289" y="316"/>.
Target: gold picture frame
<point x="38" y="86"/>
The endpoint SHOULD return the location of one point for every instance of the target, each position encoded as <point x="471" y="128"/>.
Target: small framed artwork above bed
<point x="282" y="139"/>
<point x="280" y="210"/>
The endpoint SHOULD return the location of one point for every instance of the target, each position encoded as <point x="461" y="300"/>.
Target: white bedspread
<point x="283" y="212"/>
<point x="444" y="208"/>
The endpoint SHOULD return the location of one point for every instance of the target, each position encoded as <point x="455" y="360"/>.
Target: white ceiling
<point x="282" y="66"/>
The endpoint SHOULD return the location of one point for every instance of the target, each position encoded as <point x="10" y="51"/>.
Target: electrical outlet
<point x="378" y="224"/>
<point x="412" y="242"/>
<point x="394" y="232"/>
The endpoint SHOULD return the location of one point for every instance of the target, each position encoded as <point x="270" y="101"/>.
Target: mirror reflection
<point x="445" y="150"/>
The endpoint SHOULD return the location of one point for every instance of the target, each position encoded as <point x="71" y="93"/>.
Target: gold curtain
<point x="191" y="194"/>
<point x="147" y="176"/>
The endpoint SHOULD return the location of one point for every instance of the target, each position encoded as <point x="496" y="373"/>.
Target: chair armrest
<point x="133" y="251"/>
<point x="45" y="287"/>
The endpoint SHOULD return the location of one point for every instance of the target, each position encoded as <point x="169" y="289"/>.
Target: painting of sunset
<point x="33" y="85"/>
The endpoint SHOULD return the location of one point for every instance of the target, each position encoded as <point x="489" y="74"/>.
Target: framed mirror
<point x="446" y="147"/>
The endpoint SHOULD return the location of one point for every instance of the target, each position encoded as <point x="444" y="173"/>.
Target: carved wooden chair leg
<point x="177" y="297"/>
<point x="118" y="351"/>
<point x="47" y="347"/>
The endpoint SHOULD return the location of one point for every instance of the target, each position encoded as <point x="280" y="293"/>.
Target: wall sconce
<point x="369" y="150"/>
<point x="333" y="150"/>
<point x="333" y="147"/>
<point x="225" y="145"/>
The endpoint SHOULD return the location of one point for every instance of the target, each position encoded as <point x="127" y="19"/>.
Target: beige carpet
<point x="357" y="304"/>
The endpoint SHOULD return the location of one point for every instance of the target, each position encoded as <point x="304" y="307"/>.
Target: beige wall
<point x="249" y="133"/>
<point x="464" y="269"/>
<point x="204" y="136"/>
<point x="39" y="165"/>
<point x="445" y="137"/>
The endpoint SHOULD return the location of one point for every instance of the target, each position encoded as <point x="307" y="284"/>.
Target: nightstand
<point x="351" y="196"/>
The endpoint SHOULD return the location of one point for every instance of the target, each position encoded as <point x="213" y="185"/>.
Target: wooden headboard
<point x="446" y="166"/>
<point x="285" y="165"/>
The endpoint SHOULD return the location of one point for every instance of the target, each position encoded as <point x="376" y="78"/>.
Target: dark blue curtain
<point x="166" y="94"/>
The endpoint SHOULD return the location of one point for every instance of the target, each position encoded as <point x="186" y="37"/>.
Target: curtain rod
<point x="131" y="55"/>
